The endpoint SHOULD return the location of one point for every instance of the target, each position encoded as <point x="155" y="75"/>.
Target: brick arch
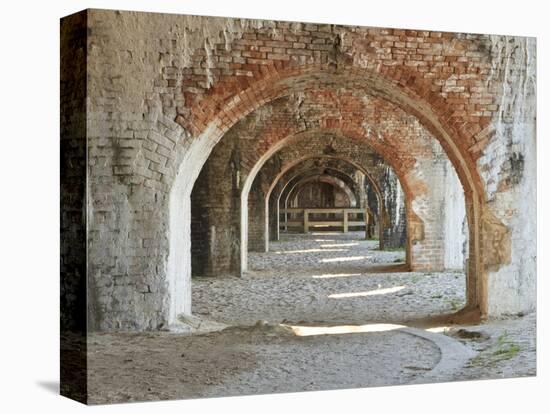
<point x="332" y="172"/>
<point x="299" y="161"/>
<point x="400" y="86"/>
<point x="303" y="175"/>
<point x="328" y="179"/>
<point x="228" y="102"/>
<point x="301" y="178"/>
<point x="399" y="164"/>
<point x="286" y="141"/>
<point x="282" y="141"/>
<point x="210" y="121"/>
<point x="339" y="134"/>
<point x="381" y="214"/>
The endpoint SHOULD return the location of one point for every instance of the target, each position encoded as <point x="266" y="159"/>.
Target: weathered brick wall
<point x="258" y="210"/>
<point x="73" y="172"/>
<point x="215" y="214"/>
<point x="164" y="89"/>
<point x="395" y="234"/>
<point x="256" y="218"/>
<point x="455" y="223"/>
<point x="507" y="163"/>
<point x="374" y="205"/>
<point x="73" y="272"/>
<point x="430" y="254"/>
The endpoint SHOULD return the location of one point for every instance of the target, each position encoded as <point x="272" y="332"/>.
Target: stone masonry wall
<point x="508" y="166"/>
<point x="256" y="218"/>
<point x="164" y="89"/>
<point x="73" y="199"/>
<point x="395" y="232"/>
<point x="73" y="172"/>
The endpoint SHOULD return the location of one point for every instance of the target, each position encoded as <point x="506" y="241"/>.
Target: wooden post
<point x="345" y="220"/>
<point x="306" y="220"/>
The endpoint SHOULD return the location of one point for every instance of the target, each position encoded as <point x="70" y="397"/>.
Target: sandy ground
<point x="329" y="278"/>
<point x="505" y="348"/>
<point x="257" y="360"/>
<point x="316" y="281"/>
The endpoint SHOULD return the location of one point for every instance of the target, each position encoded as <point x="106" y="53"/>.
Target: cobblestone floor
<point x="327" y="278"/>
<point x="316" y="281"/>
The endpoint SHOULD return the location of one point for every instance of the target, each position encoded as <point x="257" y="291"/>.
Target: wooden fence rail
<point x="299" y="218"/>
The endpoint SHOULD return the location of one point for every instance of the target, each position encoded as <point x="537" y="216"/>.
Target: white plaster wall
<point x="455" y="223"/>
<point x="179" y="257"/>
<point x="512" y="287"/>
<point x="442" y="209"/>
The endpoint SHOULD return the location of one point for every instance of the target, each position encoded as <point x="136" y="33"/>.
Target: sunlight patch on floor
<point x="310" y="251"/>
<point x="340" y="245"/>
<point x="342" y="329"/>
<point x="332" y="275"/>
<point x="367" y="293"/>
<point x="438" y="329"/>
<point x="344" y="259"/>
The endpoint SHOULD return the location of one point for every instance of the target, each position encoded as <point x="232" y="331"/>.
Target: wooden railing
<point x="299" y="218"/>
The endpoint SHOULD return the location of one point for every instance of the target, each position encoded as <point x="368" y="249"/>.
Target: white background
<point x="29" y="203"/>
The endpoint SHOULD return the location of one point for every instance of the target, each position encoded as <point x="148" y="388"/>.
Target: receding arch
<point x="328" y="179"/>
<point x="324" y="173"/>
<point x="298" y="163"/>
<point x="282" y="143"/>
<point x="284" y="83"/>
<point x="358" y="167"/>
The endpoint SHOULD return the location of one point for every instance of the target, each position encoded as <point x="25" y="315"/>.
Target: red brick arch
<point x="336" y="173"/>
<point x="328" y="179"/>
<point x="303" y="172"/>
<point x="401" y="86"/>
<point x="280" y="141"/>
<point x="211" y="118"/>
<point x="367" y="174"/>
